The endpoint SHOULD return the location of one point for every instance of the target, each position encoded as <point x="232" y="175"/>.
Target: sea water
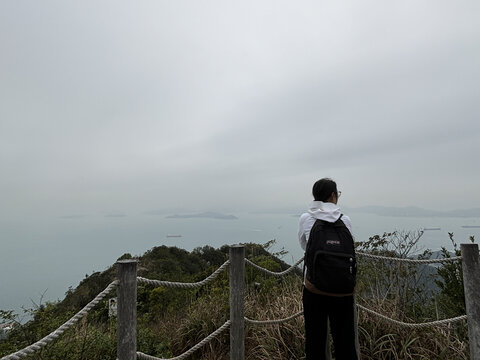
<point x="41" y="260"/>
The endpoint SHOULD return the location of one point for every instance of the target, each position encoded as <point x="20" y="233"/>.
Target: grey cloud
<point x="128" y="105"/>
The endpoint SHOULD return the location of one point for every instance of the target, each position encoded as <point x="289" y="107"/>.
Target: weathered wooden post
<point x="237" y="287"/>
<point x="471" y="285"/>
<point x="127" y="310"/>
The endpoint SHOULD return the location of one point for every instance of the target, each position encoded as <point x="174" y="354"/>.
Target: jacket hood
<point x="324" y="211"/>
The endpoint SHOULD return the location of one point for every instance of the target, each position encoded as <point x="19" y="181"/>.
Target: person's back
<point x="321" y="307"/>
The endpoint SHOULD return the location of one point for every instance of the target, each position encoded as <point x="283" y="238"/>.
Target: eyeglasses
<point x="338" y="194"/>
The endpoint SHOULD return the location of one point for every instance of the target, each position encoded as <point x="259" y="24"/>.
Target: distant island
<point x="115" y="215"/>
<point x="203" y="215"/>
<point x="414" y="211"/>
<point x="73" y="216"/>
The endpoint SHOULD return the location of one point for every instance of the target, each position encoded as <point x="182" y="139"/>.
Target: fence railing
<point x="127" y="281"/>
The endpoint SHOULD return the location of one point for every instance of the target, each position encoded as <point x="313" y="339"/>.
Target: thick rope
<point x="181" y="284"/>
<point x="413" y="261"/>
<point x="55" y="334"/>
<point x="378" y="257"/>
<point x="397" y="322"/>
<point x="414" y="325"/>
<point x="193" y="349"/>
<point x="270" y="322"/>
<point x="281" y="273"/>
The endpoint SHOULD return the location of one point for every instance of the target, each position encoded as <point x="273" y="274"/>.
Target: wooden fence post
<point x="127" y="310"/>
<point x="471" y="285"/>
<point x="237" y="287"/>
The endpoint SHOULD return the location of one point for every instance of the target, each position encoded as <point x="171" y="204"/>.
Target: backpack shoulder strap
<point x="339" y="221"/>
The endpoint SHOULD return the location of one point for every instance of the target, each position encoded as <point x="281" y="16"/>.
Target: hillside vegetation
<point x="172" y="320"/>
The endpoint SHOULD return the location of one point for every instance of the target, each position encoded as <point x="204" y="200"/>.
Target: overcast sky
<point x="131" y="106"/>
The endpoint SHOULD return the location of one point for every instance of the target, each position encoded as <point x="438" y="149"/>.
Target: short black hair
<point x="323" y="189"/>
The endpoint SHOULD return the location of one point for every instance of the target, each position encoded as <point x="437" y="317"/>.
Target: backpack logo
<point x="333" y="242"/>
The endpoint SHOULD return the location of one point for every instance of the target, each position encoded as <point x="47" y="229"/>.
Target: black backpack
<point x="330" y="257"/>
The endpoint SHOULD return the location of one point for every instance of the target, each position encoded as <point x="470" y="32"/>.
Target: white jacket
<point x="319" y="210"/>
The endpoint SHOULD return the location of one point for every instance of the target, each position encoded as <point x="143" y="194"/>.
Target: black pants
<point x="340" y="311"/>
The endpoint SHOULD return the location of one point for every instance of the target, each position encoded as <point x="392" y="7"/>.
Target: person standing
<point x="320" y="307"/>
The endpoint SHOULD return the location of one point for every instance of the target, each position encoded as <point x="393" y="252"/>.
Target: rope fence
<point x="409" y="260"/>
<point x="236" y="323"/>
<point x="413" y="325"/>
<point x="372" y="256"/>
<point x="189" y="352"/>
<point x="59" y="331"/>
<point x="273" y="322"/>
<point x="386" y="318"/>
<point x="273" y="273"/>
<point x="185" y="285"/>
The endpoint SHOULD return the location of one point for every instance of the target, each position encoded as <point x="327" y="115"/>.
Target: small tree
<point x="398" y="285"/>
<point x="451" y="300"/>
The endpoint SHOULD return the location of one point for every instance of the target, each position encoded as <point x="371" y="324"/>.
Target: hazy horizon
<point x="473" y="212"/>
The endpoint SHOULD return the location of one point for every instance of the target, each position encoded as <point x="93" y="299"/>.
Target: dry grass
<point x="280" y="299"/>
<point x="279" y="341"/>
